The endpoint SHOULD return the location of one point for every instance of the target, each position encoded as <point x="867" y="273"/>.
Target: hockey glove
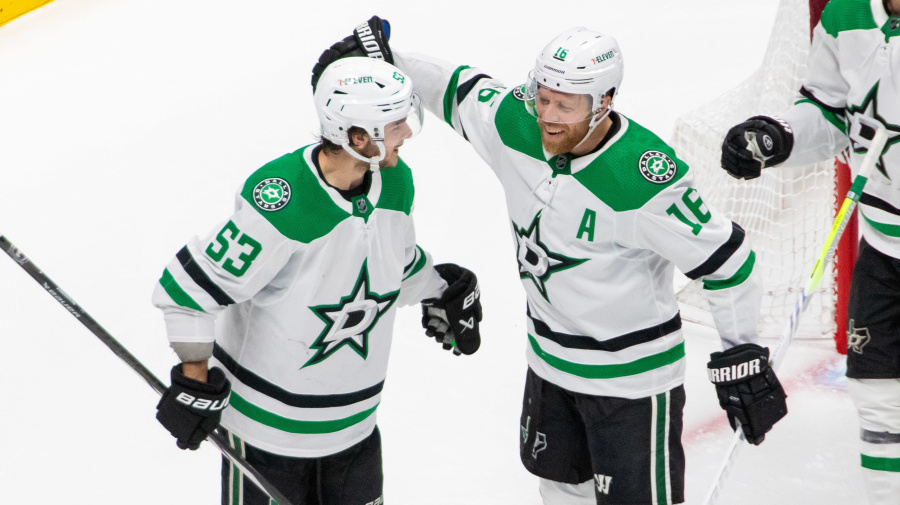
<point x="453" y="318"/>
<point x="368" y="39"/>
<point x="191" y="409"/>
<point x="748" y="389"/>
<point x="757" y="143"/>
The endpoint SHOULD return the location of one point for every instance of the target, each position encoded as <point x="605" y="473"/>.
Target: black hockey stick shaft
<point x="70" y="305"/>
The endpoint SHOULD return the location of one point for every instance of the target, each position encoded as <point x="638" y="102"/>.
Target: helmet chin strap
<point x="594" y="122"/>
<point x="373" y="161"/>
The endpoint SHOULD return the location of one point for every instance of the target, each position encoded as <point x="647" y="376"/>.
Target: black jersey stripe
<point x="265" y="387"/>
<point x="878" y="203"/>
<point x="838" y="111"/>
<point x="612" y="345"/>
<point x="201" y="279"/>
<point x="721" y="255"/>
<point x="465" y="88"/>
<point x="463" y="91"/>
<point x="879" y="437"/>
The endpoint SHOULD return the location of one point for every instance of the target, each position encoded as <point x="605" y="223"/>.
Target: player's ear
<point x="358" y="137"/>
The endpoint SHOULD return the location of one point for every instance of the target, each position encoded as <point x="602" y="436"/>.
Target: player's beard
<point x="569" y="136"/>
<point x="391" y="154"/>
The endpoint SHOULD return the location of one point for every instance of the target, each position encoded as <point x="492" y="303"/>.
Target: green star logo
<point x="536" y="261"/>
<point x="869" y="108"/>
<point x="349" y="322"/>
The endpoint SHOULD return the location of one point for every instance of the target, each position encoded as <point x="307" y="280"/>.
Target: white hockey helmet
<point x="366" y="93"/>
<point x="578" y="61"/>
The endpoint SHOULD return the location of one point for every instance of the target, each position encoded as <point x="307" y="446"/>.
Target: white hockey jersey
<point x="854" y="71"/>
<point x="596" y="238"/>
<point x="304" y="286"/>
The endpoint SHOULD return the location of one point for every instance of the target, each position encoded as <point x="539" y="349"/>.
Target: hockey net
<point x="787" y="212"/>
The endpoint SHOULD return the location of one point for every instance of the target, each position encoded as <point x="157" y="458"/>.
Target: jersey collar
<point x="374" y="191"/>
<point x="564" y="164"/>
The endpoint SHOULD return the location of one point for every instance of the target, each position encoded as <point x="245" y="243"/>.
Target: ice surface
<point x="126" y="127"/>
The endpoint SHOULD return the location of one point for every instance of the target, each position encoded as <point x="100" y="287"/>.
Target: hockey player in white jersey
<point x="852" y="88"/>
<point x="600" y="212"/>
<point x="293" y="299"/>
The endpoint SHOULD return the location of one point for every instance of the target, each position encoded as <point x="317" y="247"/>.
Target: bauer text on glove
<point x="453" y="318"/>
<point x="191" y="409"/>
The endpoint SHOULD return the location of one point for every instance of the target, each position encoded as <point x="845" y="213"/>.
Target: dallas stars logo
<point x="350" y="321"/>
<point x="869" y="108"/>
<point x="272" y="194"/>
<point x="857" y="338"/>
<point x="536" y="261"/>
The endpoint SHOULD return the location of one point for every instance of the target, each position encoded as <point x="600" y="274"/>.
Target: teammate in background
<point x="601" y="210"/>
<point x="851" y="90"/>
<point x="302" y="284"/>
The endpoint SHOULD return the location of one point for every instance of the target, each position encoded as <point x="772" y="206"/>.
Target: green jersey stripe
<point x="635" y="367"/>
<point x="891" y="230"/>
<point x="450" y="94"/>
<point x="881" y="464"/>
<point x="236" y="475"/>
<point x="176" y="293"/>
<point x="418" y="266"/>
<point x="740" y="276"/>
<point x="836" y="120"/>
<point x="661" y="420"/>
<point x="273" y="420"/>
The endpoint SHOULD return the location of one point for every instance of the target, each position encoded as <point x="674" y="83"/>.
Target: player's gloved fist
<point x="368" y="39"/>
<point x="757" y="143"/>
<point x="191" y="409"/>
<point x="453" y="318"/>
<point x="748" y="389"/>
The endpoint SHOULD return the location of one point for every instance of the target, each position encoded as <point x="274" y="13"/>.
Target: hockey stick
<point x="84" y="318"/>
<point x="806" y="294"/>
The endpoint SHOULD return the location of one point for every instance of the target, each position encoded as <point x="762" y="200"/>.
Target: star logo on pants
<point x="857" y="338"/>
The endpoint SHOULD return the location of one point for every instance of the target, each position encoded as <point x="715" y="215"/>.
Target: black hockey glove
<point x="755" y="144"/>
<point x="191" y="409"/>
<point x="368" y="39"/>
<point x="748" y="389"/>
<point x="453" y="318"/>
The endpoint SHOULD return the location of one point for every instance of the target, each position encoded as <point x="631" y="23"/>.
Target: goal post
<point x="787" y="212"/>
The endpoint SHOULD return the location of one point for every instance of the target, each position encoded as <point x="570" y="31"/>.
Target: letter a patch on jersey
<point x="350" y="321"/>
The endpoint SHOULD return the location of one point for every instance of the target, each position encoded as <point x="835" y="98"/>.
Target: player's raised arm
<point x="465" y="98"/>
<point x="813" y="129"/>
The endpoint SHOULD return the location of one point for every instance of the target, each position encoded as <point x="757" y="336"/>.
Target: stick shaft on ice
<point x="84" y="318"/>
<point x="806" y="294"/>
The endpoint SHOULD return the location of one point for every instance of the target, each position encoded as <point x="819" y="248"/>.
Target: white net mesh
<point x="787" y="212"/>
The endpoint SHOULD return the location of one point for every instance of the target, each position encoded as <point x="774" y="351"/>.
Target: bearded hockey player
<point x="600" y="212"/>
<point x="294" y="298"/>
<point x="851" y="90"/>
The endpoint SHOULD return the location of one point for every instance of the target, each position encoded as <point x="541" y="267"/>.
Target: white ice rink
<point x="125" y="128"/>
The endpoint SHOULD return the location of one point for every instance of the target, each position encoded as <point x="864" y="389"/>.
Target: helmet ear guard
<point x="365" y="93"/>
